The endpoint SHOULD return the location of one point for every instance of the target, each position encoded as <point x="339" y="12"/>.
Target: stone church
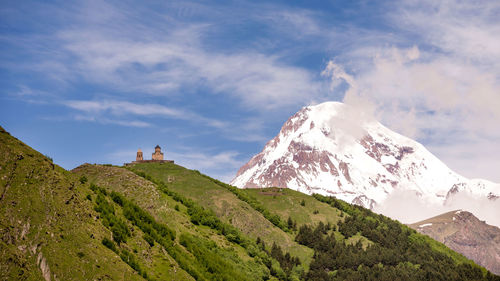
<point x="156" y="157"/>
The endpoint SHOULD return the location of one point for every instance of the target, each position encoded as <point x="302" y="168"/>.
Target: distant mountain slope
<point x="464" y="233"/>
<point x="332" y="149"/>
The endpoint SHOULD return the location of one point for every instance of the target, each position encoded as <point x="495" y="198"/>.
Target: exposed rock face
<point x="464" y="233"/>
<point x="44" y="267"/>
<point x="333" y="150"/>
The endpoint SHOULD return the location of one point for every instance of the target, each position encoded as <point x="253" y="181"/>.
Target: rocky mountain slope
<point x="332" y="149"/>
<point x="466" y="234"/>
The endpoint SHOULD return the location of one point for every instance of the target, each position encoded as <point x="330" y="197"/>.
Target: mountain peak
<point x="331" y="107"/>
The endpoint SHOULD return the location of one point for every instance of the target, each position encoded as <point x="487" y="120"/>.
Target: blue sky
<point x="212" y="81"/>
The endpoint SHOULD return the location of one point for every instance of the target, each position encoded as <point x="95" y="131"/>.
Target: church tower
<point x="157" y="155"/>
<point x="139" y="155"/>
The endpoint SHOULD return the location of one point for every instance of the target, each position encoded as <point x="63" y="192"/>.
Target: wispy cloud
<point x="163" y="68"/>
<point x="221" y="165"/>
<point x="199" y="160"/>
<point x="106" y="121"/>
<point x="175" y="58"/>
<point x="96" y="109"/>
<point x="298" y="23"/>
<point x="465" y="29"/>
<point x="408" y="207"/>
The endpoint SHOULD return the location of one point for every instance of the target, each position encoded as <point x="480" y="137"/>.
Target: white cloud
<point x="167" y="61"/>
<point x="221" y="165"/>
<point x="465" y="29"/>
<point x="338" y="75"/>
<point x="123" y="107"/>
<point x="296" y="23"/>
<point x="106" y="121"/>
<point x="25" y="91"/>
<point x="408" y="207"/>
<point x="97" y="109"/>
<point x="445" y="92"/>
<point x="170" y="53"/>
<point x="477" y="158"/>
<point x="203" y="161"/>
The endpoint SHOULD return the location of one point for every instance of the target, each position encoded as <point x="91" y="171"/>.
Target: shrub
<point x="110" y="244"/>
<point x="120" y="232"/>
<point x="117" y="198"/>
<point x="83" y="179"/>
<point x="129" y="258"/>
<point x="149" y="239"/>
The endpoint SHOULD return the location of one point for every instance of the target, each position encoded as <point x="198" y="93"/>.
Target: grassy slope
<point x="287" y="203"/>
<point x="162" y="207"/>
<point x="139" y="190"/>
<point x="225" y="204"/>
<point x="46" y="222"/>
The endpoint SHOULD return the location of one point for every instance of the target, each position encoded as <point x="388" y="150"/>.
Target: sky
<point x="212" y="81"/>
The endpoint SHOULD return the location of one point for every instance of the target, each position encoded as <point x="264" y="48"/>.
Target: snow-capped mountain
<point x="332" y="149"/>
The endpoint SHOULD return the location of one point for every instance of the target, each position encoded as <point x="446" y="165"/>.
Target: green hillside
<point x="176" y="216"/>
<point x="157" y="221"/>
<point x="225" y="204"/>
<point x="302" y="208"/>
<point x="48" y="229"/>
